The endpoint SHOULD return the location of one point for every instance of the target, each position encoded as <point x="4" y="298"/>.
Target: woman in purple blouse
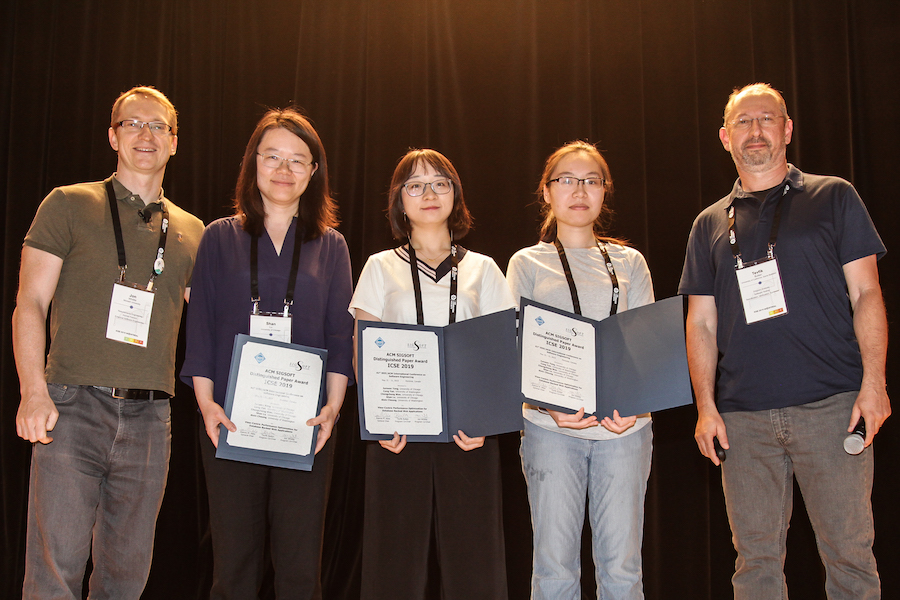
<point x="283" y="207"/>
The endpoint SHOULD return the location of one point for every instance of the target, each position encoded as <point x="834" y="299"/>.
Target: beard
<point x="760" y="159"/>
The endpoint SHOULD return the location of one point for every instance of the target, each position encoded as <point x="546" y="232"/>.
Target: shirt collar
<point x="794" y="179"/>
<point x="123" y="193"/>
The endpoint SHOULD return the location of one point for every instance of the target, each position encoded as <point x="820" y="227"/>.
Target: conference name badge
<point x="761" y="291"/>
<point x="129" y="314"/>
<point x="271" y="326"/>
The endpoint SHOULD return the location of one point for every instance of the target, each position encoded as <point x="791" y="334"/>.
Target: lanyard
<point x="773" y="234"/>
<point x="614" y="304"/>
<point x="158" y="264"/>
<point x="292" y="275"/>
<point x="417" y="286"/>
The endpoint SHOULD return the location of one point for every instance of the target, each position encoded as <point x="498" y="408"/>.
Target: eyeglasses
<point x="765" y="121"/>
<point x="438" y="186"/>
<point x="592" y="184"/>
<point x="156" y="127"/>
<point x="273" y="161"/>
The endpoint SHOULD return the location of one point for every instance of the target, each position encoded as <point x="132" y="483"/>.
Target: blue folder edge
<point x="641" y="358"/>
<point x="265" y="457"/>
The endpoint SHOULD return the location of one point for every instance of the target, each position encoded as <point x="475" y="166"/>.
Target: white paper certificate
<point x="558" y="360"/>
<point x="401" y="381"/>
<point x="276" y="392"/>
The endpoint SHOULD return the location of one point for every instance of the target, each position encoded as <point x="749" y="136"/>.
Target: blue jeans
<point x="562" y="471"/>
<point x="768" y="449"/>
<point x="95" y="491"/>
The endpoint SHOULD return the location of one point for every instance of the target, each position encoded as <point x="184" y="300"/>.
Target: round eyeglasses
<point x="155" y="127"/>
<point x="273" y="161"/>
<point x="438" y="186"/>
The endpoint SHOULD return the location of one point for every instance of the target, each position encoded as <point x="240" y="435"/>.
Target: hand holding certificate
<point x="558" y="368"/>
<point x="430" y="382"/>
<point x="634" y="361"/>
<point x="274" y="388"/>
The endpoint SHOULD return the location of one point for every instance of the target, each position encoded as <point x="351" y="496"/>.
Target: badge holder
<point x="131" y="304"/>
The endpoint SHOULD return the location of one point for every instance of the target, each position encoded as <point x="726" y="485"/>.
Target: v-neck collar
<point x="435" y="274"/>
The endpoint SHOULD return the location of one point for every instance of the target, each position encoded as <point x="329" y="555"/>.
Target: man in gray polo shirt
<point x="115" y="258"/>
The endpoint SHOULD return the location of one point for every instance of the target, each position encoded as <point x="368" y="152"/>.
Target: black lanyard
<point x="773" y="234"/>
<point x="614" y="304"/>
<point x="292" y="275"/>
<point x="417" y="286"/>
<point x="158" y="264"/>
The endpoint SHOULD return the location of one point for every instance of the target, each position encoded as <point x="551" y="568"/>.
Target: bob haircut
<point x="151" y="93"/>
<point x="460" y="219"/>
<point x="754" y="89"/>
<point x="601" y="223"/>
<point x="318" y="210"/>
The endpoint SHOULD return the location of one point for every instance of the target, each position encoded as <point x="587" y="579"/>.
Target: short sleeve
<point x="495" y="293"/>
<point x="641" y="291"/>
<point x="51" y="229"/>
<point x="519" y="280"/>
<point x="858" y="237"/>
<point x="698" y="274"/>
<point x="369" y="294"/>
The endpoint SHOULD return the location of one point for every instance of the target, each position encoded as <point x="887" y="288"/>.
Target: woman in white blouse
<point x="421" y="496"/>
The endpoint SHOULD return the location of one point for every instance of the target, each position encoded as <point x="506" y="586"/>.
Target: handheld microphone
<point x="720" y="451"/>
<point x="855" y="443"/>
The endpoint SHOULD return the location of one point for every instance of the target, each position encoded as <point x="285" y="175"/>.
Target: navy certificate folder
<point x="264" y="457"/>
<point x="479" y="377"/>
<point x="641" y="360"/>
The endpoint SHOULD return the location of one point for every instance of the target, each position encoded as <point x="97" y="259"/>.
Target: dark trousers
<point x="433" y="488"/>
<point x="247" y="502"/>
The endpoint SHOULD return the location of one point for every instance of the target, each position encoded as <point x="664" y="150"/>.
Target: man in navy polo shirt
<point x="785" y="304"/>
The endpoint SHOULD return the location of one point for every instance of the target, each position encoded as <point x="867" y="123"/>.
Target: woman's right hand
<point x="576" y="421"/>
<point x="213" y="416"/>
<point x="395" y="444"/>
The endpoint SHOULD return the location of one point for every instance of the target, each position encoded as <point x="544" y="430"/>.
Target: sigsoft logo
<point x="417" y="345"/>
<point x="574" y="332"/>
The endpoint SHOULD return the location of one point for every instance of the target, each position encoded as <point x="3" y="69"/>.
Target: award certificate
<point x="277" y="388"/>
<point x="402" y="383"/>
<point x="558" y="360"/>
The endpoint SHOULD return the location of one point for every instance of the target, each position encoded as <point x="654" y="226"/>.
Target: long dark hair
<point x="460" y="219"/>
<point x="318" y="210"/>
<point x="601" y="223"/>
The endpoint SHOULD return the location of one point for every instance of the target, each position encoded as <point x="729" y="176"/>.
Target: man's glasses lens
<point x="155" y="127"/>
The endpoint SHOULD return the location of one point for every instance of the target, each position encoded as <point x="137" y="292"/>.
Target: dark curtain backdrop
<point x="496" y="85"/>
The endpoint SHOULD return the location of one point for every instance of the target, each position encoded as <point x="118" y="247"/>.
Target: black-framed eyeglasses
<point x="438" y="186"/>
<point x="765" y="121"/>
<point x="155" y="127"/>
<point x="570" y="183"/>
<point x="273" y="161"/>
